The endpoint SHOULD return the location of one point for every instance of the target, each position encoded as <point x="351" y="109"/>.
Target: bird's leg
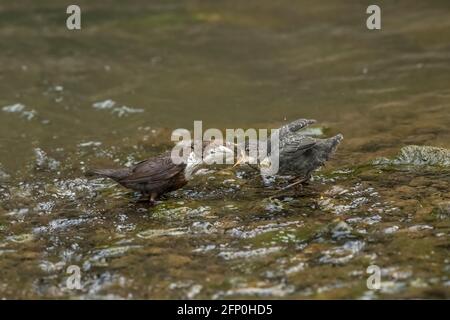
<point x="296" y="183"/>
<point x="143" y="197"/>
<point x="152" y="198"/>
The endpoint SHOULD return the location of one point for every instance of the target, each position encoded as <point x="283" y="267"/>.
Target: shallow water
<point x="111" y="94"/>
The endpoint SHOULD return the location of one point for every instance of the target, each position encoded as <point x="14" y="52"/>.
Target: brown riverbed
<point x="231" y="64"/>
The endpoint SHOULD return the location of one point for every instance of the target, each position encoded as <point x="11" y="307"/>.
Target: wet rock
<point x="229" y="255"/>
<point x="336" y="190"/>
<point x="111" y="252"/>
<point x="21" y="238"/>
<point x="45" y="207"/>
<point x="205" y="248"/>
<point x="154" y="233"/>
<point x="280" y="290"/>
<point x="189" y="289"/>
<point x="372" y="219"/>
<point x="111" y="105"/>
<point x="20" y="109"/>
<point x="59" y="224"/>
<point x="420" y="227"/>
<point x="202" y="227"/>
<point x="125" y="111"/>
<point x="44" y="162"/>
<point x="341" y="230"/>
<point x="73" y="188"/>
<point x="328" y="204"/>
<point x="295" y="269"/>
<point x="166" y="212"/>
<point x="419" y="155"/>
<point x="106" y="104"/>
<point x="201" y="211"/>
<point x="90" y="144"/>
<point x="3" y="175"/>
<point x="443" y="209"/>
<point x="51" y="267"/>
<point x="342" y="254"/>
<point x="391" y="230"/>
<point x="241" y="232"/>
<point x="194" y="291"/>
<point x="19" y="213"/>
<point x="5" y="193"/>
<point x="273" y="205"/>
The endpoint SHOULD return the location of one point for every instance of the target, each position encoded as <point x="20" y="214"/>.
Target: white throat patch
<point x="192" y="163"/>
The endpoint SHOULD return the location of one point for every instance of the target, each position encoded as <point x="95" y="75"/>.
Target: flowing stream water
<point x="111" y="93"/>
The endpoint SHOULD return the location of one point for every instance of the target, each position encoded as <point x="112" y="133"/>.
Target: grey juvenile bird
<point x="299" y="154"/>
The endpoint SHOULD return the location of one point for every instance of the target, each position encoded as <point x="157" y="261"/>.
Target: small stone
<point x="443" y="208"/>
<point x="341" y="230"/>
<point x="107" y="104"/>
<point x="336" y="190"/>
<point x="3" y="175"/>
<point x="420" y="227"/>
<point x="391" y="230"/>
<point x="43" y="161"/>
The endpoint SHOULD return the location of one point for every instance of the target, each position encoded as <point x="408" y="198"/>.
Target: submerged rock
<point x="106" y="104"/>
<point x="26" y="237"/>
<point x="3" y="175"/>
<point x="20" y="109"/>
<point x="443" y="209"/>
<point x="342" y="254"/>
<point x="154" y="233"/>
<point x="124" y="111"/>
<point x="229" y="255"/>
<point x="111" y="105"/>
<point x="279" y="291"/>
<point x="419" y="155"/>
<point x="59" y="224"/>
<point x="44" y="162"/>
<point x="341" y="230"/>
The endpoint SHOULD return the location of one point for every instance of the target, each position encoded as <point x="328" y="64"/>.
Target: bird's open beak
<point x="240" y="160"/>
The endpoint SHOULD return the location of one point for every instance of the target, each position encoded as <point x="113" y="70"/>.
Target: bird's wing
<point x="297" y="143"/>
<point x="156" y="169"/>
<point x="295" y="126"/>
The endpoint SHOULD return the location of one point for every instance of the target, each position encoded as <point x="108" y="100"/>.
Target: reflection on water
<point x="111" y="93"/>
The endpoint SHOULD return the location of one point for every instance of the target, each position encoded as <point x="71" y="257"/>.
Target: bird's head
<point x="213" y="153"/>
<point x="216" y="153"/>
<point x="249" y="154"/>
<point x="264" y="165"/>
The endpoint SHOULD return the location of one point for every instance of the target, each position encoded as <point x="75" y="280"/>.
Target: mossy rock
<point x="419" y="155"/>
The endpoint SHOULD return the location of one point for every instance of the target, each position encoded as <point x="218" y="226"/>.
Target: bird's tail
<point x="114" y="174"/>
<point x="332" y="144"/>
<point x="336" y="140"/>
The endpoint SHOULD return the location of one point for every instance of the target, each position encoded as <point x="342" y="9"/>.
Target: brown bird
<point x="160" y="174"/>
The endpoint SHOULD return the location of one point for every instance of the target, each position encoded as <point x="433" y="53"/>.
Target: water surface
<point x="111" y="94"/>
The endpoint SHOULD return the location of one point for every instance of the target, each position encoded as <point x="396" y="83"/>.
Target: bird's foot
<point x="152" y="200"/>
